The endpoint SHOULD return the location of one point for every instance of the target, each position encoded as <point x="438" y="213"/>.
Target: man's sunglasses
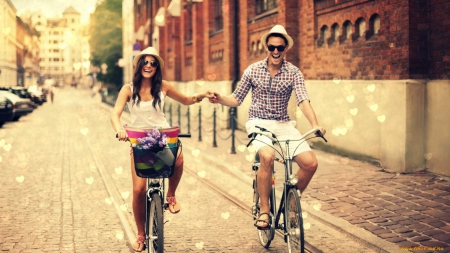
<point x="279" y="48"/>
<point x="152" y="63"/>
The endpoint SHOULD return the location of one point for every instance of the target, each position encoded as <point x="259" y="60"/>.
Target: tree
<point x="106" y="40"/>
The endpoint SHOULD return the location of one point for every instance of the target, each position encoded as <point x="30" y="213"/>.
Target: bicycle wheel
<point x="265" y="236"/>
<point x="294" y="222"/>
<point x="156" y="225"/>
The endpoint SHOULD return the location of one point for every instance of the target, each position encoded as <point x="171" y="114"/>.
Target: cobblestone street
<point x="66" y="187"/>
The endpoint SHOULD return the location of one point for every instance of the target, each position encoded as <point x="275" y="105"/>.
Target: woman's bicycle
<point x="156" y="165"/>
<point x="288" y="218"/>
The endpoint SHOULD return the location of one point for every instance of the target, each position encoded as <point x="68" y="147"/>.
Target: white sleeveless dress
<point x="145" y="116"/>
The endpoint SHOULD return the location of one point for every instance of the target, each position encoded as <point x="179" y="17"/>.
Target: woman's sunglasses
<point x="279" y="48"/>
<point x="152" y="63"/>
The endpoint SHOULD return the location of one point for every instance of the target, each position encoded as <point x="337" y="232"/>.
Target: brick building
<point x="352" y="39"/>
<point x="377" y="70"/>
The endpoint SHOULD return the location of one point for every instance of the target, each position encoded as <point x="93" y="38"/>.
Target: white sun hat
<point x="278" y="29"/>
<point x="149" y="51"/>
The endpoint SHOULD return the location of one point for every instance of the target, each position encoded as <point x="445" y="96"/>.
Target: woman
<point x="145" y="99"/>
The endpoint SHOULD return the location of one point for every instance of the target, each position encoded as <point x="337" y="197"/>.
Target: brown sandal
<point x="172" y="203"/>
<point x="140" y="242"/>
<point x="266" y="227"/>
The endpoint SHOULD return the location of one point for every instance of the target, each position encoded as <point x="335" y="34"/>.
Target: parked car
<point x="21" y="106"/>
<point x="23" y="93"/>
<point x="6" y="110"/>
<point x="37" y="95"/>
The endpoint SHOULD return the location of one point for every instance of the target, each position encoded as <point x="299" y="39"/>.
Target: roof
<point x="71" y="10"/>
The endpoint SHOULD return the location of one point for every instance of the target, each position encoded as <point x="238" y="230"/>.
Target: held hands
<point x="213" y="97"/>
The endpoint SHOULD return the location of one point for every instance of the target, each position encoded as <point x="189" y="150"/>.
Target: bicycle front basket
<point x="155" y="163"/>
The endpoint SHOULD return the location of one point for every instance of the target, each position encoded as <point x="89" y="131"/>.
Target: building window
<point x="334" y="34"/>
<point x="347" y="30"/>
<point x="374" y="25"/>
<point x="55" y="59"/>
<point x="265" y="5"/>
<point x="218" y="17"/>
<point x="360" y="26"/>
<point x="323" y="35"/>
<point x="188" y="35"/>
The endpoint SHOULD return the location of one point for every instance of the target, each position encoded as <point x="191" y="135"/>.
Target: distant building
<point x="64" y="45"/>
<point x="28" y="71"/>
<point x="8" y="43"/>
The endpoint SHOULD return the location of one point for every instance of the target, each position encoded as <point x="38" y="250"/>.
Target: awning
<point x="174" y="8"/>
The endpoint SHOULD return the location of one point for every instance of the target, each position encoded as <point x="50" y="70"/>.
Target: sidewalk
<point x="391" y="212"/>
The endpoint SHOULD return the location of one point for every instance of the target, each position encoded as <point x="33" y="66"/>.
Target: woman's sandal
<point x="267" y="222"/>
<point x="172" y="203"/>
<point x="140" y="243"/>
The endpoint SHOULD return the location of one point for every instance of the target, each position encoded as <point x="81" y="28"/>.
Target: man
<point x="272" y="81"/>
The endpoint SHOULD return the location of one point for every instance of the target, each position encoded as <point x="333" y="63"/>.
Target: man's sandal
<point x="172" y="203"/>
<point x="140" y="243"/>
<point x="267" y="222"/>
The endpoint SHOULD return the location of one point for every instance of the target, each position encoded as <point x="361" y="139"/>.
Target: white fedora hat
<point x="277" y="29"/>
<point x="148" y="51"/>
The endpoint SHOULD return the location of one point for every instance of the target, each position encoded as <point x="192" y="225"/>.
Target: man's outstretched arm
<point x="216" y="98"/>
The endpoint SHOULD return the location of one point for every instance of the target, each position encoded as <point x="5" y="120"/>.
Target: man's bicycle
<point x="156" y="166"/>
<point x="288" y="218"/>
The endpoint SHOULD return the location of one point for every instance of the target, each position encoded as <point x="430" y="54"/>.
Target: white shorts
<point x="283" y="131"/>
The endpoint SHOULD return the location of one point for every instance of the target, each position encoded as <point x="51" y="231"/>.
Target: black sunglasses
<point x="152" y="63"/>
<point x="279" y="48"/>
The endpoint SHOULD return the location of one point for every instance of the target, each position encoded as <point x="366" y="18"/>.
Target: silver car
<point x="21" y="106"/>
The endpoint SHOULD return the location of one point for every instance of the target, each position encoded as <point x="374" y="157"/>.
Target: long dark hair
<point x="156" y="83"/>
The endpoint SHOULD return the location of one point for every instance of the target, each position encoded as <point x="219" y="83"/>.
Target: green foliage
<point x="106" y="40"/>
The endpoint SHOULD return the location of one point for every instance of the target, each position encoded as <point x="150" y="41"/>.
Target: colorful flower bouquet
<point x="155" y="141"/>
<point x="154" y="150"/>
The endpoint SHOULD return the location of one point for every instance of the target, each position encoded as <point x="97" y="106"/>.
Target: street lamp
<point x="62" y="46"/>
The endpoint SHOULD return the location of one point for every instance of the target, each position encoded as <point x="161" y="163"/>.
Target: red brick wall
<point x="412" y="42"/>
<point x="439" y="46"/>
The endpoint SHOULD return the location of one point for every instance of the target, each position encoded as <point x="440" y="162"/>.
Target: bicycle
<point x="156" y="166"/>
<point x="291" y="224"/>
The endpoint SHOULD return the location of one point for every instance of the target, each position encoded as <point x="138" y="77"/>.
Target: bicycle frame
<point x="287" y="162"/>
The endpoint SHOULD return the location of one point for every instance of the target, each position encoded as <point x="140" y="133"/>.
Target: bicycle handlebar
<point x="272" y="136"/>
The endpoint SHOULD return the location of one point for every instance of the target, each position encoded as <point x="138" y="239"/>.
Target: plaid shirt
<point x="270" y="99"/>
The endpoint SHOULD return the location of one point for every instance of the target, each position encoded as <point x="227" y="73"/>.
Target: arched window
<point x="346" y="30"/>
<point x="374" y="25"/>
<point x="335" y="33"/>
<point x="323" y="35"/>
<point x="360" y="26"/>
